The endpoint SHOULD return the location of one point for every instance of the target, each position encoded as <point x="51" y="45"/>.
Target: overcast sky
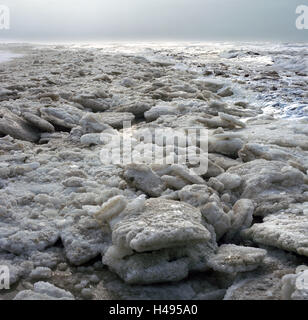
<point x="92" y="20"/>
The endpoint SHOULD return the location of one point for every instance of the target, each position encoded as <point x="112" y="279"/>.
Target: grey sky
<point x="90" y="20"/>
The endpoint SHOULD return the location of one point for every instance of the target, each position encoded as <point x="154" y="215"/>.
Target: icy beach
<point x="74" y="227"/>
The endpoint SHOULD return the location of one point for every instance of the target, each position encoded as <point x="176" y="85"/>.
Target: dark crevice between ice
<point x="59" y="128"/>
<point x="58" y="244"/>
<point x="257" y="219"/>
<point x="91" y="262"/>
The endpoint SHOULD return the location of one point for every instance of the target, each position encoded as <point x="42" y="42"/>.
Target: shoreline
<point x="7" y="56"/>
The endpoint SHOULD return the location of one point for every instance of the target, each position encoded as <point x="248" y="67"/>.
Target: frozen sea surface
<point x="53" y="183"/>
<point x="273" y="76"/>
<point x="265" y="74"/>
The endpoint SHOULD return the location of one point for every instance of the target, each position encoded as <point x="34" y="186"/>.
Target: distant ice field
<point x="249" y="69"/>
<point x="273" y="76"/>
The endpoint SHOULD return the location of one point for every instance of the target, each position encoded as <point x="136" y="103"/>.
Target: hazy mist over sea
<point x="97" y="20"/>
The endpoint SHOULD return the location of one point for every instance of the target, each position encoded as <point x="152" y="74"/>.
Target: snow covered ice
<point x="75" y="227"/>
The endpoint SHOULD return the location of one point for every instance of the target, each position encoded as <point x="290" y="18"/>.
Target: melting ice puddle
<point x="7" y="56"/>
